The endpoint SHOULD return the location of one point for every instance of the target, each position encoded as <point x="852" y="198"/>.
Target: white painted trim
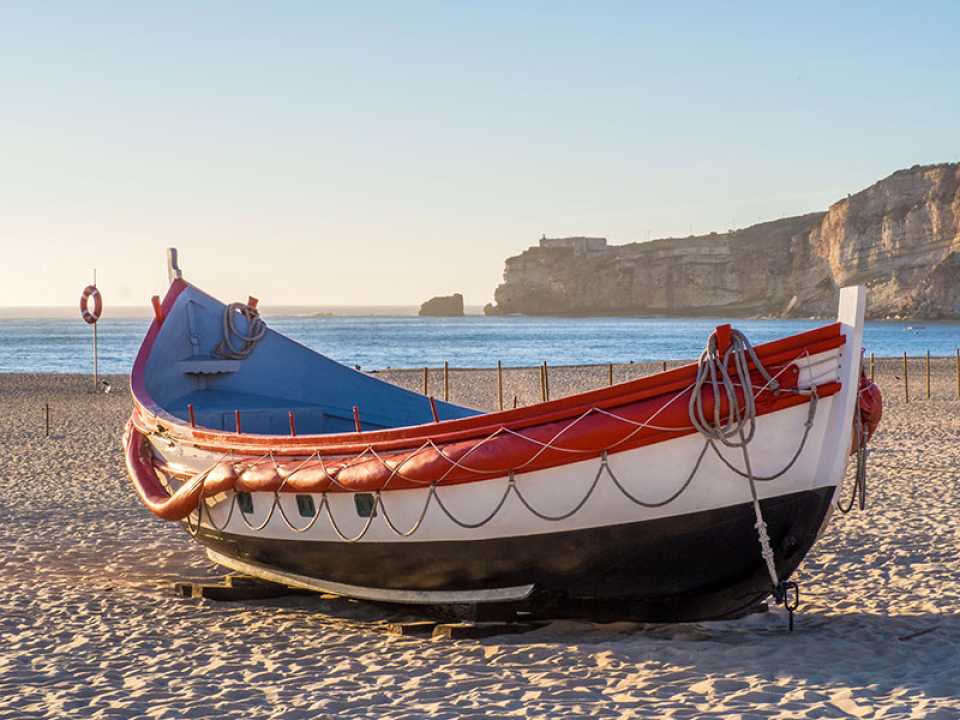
<point x="402" y="597"/>
<point x="836" y="448"/>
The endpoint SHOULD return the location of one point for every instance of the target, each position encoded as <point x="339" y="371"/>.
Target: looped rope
<point x="859" y="493"/>
<point x="256" y="329"/>
<point x="739" y="422"/>
<point x="736" y="429"/>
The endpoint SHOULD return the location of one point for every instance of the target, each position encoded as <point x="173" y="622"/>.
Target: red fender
<point x="870" y="407"/>
<point x="144" y="478"/>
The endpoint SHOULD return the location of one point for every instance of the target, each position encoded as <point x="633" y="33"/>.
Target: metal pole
<point x="928" y="374"/>
<point x="96" y="368"/>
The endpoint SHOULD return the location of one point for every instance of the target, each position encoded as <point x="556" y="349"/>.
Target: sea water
<point x="383" y="341"/>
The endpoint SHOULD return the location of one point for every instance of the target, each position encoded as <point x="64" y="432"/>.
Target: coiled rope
<point x="736" y="428"/>
<point x="256" y="329"/>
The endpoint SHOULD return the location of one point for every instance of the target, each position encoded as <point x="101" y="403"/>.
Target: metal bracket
<point x="173" y="269"/>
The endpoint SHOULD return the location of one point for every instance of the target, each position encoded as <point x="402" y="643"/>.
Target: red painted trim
<point x="773" y="354"/>
<point x="157" y="310"/>
<point x="142" y="399"/>
<point x="470" y="449"/>
<point x="471" y="461"/>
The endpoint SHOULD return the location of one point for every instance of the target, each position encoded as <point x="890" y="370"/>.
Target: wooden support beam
<point x="458" y="631"/>
<point x="416" y="628"/>
<point x="232" y="588"/>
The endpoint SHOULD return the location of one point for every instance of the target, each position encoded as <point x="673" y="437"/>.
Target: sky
<point x="382" y="153"/>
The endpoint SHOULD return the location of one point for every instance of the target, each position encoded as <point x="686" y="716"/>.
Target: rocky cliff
<point x="900" y="237"/>
<point x="443" y="306"/>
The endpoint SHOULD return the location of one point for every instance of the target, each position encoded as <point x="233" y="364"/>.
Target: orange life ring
<point x="88" y="292"/>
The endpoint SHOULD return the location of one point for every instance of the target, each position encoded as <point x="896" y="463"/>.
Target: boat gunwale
<point x="150" y="417"/>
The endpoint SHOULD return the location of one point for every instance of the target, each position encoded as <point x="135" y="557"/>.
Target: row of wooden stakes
<point x="545" y="378"/>
<point x="906" y="374"/>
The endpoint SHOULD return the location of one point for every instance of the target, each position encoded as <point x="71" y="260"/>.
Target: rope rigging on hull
<point x="735" y="430"/>
<point x="722" y="406"/>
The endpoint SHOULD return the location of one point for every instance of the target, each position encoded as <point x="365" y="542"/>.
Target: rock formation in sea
<point x="443" y="306"/>
<point x="900" y="237"/>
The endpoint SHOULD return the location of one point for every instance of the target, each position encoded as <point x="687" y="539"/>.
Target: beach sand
<point x="89" y="625"/>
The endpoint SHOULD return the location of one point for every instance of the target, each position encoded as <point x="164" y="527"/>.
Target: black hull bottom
<point x="698" y="566"/>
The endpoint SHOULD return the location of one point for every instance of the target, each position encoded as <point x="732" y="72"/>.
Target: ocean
<point x="63" y="345"/>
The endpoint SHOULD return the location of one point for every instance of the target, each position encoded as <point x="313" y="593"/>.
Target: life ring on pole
<point x="90" y="291"/>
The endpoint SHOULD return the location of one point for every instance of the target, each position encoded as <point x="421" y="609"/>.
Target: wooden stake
<point x="46" y="415"/>
<point x="927" y="368"/>
<point x="958" y="373"/>
<point x="191" y="415"/>
<point x="873" y="365"/>
<point x="500" y="384"/>
<point x="426" y="381"/>
<point x="514" y="402"/>
<point x="236" y="420"/>
<point x="664" y="365"/>
<point x="610" y="373"/>
<point x="546" y="382"/>
<point x="446" y="381"/>
<point x="293" y="423"/>
<point x="433" y="410"/>
<point x="906" y="382"/>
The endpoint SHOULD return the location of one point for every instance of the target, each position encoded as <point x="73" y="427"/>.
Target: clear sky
<point x="367" y="153"/>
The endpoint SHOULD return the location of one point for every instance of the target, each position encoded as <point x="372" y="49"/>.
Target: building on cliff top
<point x="581" y="245"/>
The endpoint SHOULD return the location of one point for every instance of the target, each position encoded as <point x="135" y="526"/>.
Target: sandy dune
<point x="90" y="628"/>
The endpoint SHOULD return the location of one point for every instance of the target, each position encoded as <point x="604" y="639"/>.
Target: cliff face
<point x="900" y="237"/>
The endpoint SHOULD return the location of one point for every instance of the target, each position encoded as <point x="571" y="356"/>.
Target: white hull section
<point x="651" y="473"/>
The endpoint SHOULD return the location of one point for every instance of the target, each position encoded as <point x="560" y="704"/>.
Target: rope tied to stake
<point x="256" y="329"/>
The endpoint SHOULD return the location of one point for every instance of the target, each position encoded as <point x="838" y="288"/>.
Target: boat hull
<point x="695" y="566"/>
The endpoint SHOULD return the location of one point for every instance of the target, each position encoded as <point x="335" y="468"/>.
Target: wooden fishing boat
<point x="690" y="494"/>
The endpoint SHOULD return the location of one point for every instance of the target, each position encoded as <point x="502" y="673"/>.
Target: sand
<point x="89" y="626"/>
